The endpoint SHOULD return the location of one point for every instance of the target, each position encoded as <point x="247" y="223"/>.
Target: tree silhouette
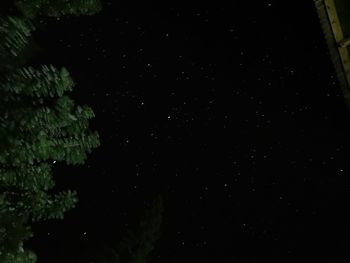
<point x="141" y="245"/>
<point x="138" y="244"/>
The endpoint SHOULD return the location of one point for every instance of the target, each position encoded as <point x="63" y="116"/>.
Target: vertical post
<point x="332" y="30"/>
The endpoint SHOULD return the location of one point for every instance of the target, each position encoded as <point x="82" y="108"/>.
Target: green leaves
<point x="44" y="82"/>
<point x="52" y="207"/>
<point x="15" y="35"/>
<point x="57" y="8"/>
<point x="19" y="256"/>
<point x="38" y="124"/>
<point x="28" y="177"/>
<point x="12" y="233"/>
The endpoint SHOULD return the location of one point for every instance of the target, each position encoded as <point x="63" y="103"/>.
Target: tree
<point x="12" y="233"/>
<point x="137" y="245"/>
<point x="140" y="246"/>
<point x="57" y="8"/>
<point x="15" y="36"/>
<point x="39" y="124"/>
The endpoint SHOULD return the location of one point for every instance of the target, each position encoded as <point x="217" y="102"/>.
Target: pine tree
<point x="57" y="8"/>
<point x="39" y="124"/>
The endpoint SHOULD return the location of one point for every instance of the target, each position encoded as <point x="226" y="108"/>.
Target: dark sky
<point x="231" y="110"/>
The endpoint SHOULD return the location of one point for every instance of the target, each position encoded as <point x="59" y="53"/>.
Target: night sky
<point x="231" y="111"/>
